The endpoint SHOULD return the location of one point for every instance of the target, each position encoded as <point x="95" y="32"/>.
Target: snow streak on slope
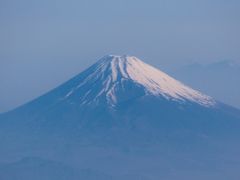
<point x="112" y="71"/>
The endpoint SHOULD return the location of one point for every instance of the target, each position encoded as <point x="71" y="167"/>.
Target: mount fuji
<point x="126" y="110"/>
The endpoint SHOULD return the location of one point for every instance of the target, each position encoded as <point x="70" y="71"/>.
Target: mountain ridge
<point x="112" y="70"/>
<point x="120" y="91"/>
<point x="131" y="134"/>
<point x="155" y="81"/>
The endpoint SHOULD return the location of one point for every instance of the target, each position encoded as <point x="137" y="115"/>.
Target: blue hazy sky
<point x="45" y="42"/>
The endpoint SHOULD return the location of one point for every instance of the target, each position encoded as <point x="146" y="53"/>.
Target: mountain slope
<point x="119" y="91"/>
<point x="125" y="119"/>
<point x="113" y="71"/>
<point x="41" y="169"/>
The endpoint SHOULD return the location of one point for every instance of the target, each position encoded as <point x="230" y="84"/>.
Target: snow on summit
<point x="109" y="75"/>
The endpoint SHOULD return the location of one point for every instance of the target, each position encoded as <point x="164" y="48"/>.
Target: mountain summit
<point x="112" y="74"/>
<point x="121" y="119"/>
<point x="120" y="91"/>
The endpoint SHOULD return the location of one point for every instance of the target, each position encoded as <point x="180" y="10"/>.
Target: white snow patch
<point x="110" y="70"/>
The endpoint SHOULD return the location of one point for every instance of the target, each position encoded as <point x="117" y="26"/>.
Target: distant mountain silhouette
<point x="220" y="80"/>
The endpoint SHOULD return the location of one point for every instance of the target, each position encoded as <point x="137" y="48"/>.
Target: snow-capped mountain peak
<point x="112" y="74"/>
<point x="120" y="116"/>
